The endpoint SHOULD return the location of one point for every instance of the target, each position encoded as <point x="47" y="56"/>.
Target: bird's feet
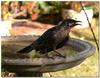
<point x="59" y="54"/>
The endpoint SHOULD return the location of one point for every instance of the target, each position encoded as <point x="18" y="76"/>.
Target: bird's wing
<point x="50" y="39"/>
<point x="46" y="38"/>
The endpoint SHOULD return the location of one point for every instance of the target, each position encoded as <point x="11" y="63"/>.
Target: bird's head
<point x="70" y="23"/>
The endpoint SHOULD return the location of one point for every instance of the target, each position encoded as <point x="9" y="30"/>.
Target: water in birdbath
<point x="10" y="51"/>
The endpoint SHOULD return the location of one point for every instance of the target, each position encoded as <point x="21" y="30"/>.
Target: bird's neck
<point x="65" y="28"/>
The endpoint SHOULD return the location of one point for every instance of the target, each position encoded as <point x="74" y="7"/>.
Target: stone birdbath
<point x="24" y="66"/>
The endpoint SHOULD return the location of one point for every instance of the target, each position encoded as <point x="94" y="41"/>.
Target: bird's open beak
<point x="78" y="22"/>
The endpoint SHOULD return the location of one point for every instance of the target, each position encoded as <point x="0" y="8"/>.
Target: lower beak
<point x="78" y="22"/>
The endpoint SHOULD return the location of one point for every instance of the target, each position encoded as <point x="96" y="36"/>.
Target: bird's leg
<point x="60" y="54"/>
<point x="54" y="49"/>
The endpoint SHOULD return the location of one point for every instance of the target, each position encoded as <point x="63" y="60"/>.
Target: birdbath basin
<point x="22" y="64"/>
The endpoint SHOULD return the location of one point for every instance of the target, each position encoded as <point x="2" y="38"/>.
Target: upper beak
<point x="78" y="22"/>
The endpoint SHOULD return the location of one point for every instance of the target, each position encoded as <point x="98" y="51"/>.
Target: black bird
<point x="53" y="38"/>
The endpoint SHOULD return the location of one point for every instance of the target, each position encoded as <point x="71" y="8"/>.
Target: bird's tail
<point x="26" y="49"/>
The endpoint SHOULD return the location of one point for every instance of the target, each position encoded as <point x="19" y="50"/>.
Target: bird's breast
<point x="61" y="35"/>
